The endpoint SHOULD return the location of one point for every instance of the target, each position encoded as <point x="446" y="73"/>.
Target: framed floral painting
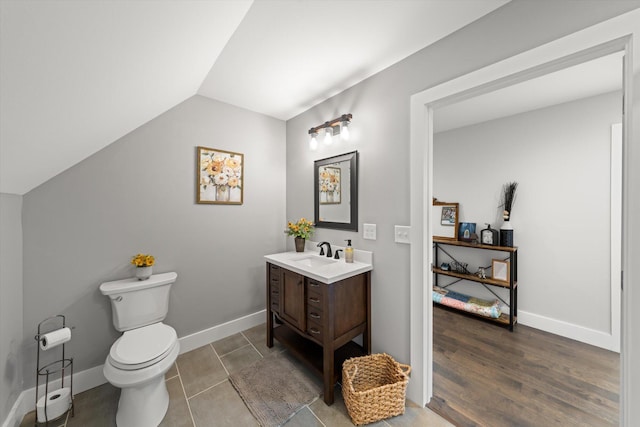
<point x="220" y="177"/>
<point x="330" y="185"/>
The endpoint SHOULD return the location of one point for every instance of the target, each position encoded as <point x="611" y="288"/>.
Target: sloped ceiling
<point x="76" y="76"/>
<point x="288" y="56"/>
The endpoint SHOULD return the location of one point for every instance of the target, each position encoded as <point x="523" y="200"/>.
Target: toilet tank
<point x="136" y="303"/>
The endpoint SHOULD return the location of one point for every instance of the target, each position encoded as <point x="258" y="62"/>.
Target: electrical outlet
<point x="369" y="232"/>
<point x="402" y="234"/>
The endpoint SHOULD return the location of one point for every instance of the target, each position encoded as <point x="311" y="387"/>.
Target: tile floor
<point x="201" y="395"/>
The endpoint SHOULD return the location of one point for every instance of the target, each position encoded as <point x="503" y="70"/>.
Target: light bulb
<point x="344" y="131"/>
<point x="328" y="135"/>
<point x="313" y="142"/>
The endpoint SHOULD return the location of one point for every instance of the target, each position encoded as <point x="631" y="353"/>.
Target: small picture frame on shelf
<point x="500" y="270"/>
<point x="466" y="230"/>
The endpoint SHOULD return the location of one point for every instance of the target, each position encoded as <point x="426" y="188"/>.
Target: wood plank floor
<point x="485" y="375"/>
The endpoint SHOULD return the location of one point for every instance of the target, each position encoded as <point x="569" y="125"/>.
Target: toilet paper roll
<point x="57" y="403"/>
<point x="55" y="338"/>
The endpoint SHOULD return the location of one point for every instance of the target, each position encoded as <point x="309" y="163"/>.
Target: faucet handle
<point x="338" y="254"/>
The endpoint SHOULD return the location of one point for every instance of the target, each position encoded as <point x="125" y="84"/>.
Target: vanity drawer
<point x="314" y="301"/>
<point x="314" y="315"/>
<point x="314" y="296"/>
<point x="274" y="274"/>
<point x="313" y="286"/>
<point x="274" y="288"/>
<point x="315" y="330"/>
<point x="275" y="297"/>
<point x="275" y="291"/>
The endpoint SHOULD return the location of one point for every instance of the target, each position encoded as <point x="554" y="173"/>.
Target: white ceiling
<point x="591" y="78"/>
<point x="288" y="56"/>
<point x="78" y="75"/>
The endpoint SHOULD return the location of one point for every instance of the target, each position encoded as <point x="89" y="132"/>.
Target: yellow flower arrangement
<point x="143" y="260"/>
<point x="303" y="228"/>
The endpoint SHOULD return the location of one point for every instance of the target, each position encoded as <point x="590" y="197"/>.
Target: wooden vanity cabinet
<point x="319" y="320"/>
<point x="291" y="298"/>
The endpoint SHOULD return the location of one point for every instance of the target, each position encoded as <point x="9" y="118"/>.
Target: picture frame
<point x="330" y="185"/>
<point x="219" y="177"/>
<point x="449" y="214"/>
<point x="501" y="270"/>
<point x="445" y="219"/>
<point x="466" y="231"/>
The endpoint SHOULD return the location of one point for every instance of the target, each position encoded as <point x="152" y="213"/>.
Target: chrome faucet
<point x="321" y="246"/>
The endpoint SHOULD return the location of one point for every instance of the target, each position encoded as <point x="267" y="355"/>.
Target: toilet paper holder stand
<point x="48" y="372"/>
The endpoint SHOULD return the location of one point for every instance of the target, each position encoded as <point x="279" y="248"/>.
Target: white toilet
<point x="146" y="350"/>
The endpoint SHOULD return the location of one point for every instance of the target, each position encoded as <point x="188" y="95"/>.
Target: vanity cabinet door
<point x="292" y="299"/>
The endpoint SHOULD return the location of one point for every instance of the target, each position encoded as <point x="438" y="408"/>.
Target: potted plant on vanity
<point x="144" y="265"/>
<point x="301" y="230"/>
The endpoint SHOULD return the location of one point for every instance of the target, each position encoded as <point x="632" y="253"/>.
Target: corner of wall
<point x="11" y="304"/>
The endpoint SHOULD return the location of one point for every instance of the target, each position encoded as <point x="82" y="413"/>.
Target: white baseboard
<point x="569" y="330"/>
<point x="93" y="377"/>
<point x="215" y="333"/>
<point x="26" y="402"/>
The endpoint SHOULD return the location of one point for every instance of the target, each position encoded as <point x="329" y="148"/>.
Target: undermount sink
<point x="315" y="261"/>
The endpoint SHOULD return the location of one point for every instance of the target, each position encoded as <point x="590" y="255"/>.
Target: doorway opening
<point x="561" y="152"/>
<point x="540" y="61"/>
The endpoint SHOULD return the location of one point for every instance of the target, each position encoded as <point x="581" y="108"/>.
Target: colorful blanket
<point x="466" y="303"/>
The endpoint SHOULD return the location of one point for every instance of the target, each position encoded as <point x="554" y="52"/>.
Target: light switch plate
<point x="402" y="234"/>
<point x="369" y="231"/>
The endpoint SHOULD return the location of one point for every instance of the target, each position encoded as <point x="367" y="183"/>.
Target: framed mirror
<point x="445" y="220"/>
<point x="336" y="192"/>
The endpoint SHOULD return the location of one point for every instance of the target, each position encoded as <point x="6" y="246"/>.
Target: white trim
<point x="93" y="377"/>
<point x="616" y="234"/>
<point x="629" y="156"/>
<point x="82" y="381"/>
<point x="569" y="330"/>
<point x="13" y="417"/>
<point x="608" y="37"/>
<point x="215" y="333"/>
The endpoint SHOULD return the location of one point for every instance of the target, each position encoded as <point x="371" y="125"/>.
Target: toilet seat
<point x="143" y="347"/>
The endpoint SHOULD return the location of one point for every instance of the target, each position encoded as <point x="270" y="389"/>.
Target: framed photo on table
<point x="500" y="270"/>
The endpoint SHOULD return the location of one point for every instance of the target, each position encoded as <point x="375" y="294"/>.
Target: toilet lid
<point x="142" y="347"/>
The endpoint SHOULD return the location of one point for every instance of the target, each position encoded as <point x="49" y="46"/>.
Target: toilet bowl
<point x="137" y="363"/>
<point x="146" y="350"/>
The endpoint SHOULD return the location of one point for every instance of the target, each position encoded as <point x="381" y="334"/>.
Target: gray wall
<point x="10" y="301"/>
<point x="380" y="132"/>
<point x="78" y="222"/>
<point x="560" y="157"/>
<point x="138" y="195"/>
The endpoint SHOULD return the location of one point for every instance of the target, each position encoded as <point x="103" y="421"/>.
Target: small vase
<point x="299" y="244"/>
<point x="143" y="273"/>
<point x="222" y="193"/>
<point x="506" y="234"/>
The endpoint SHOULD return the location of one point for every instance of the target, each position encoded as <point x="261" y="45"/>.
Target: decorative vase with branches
<point x="507" y="200"/>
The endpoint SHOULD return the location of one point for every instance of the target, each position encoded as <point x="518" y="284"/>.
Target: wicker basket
<point x="374" y="387"/>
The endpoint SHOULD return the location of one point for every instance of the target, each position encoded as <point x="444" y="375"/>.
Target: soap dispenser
<point x="348" y="252"/>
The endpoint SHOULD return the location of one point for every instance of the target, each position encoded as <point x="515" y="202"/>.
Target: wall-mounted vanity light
<point x="332" y="128"/>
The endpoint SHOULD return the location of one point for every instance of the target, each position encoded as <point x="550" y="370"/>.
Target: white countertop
<point x="322" y="268"/>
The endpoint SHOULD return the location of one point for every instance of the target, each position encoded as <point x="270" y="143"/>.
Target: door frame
<point x="603" y="39"/>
